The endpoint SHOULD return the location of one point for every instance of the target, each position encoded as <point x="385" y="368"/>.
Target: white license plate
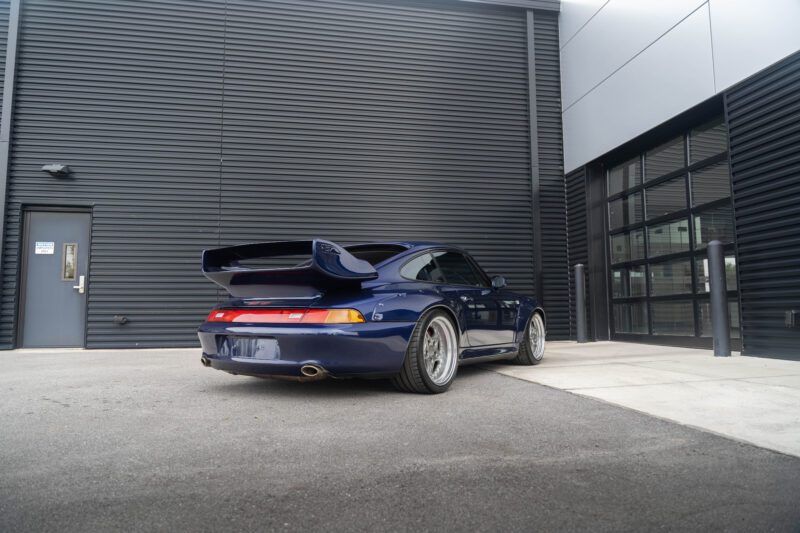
<point x="249" y="347"/>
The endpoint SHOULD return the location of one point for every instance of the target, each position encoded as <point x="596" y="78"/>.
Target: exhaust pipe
<point x="204" y="360"/>
<point x="312" y="371"/>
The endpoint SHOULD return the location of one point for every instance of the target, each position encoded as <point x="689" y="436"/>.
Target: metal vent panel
<point x="363" y="121"/>
<point x="353" y="121"/>
<point x="764" y="123"/>
<point x="129" y="95"/>
<point x="555" y="269"/>
<point x="577" y="239"/>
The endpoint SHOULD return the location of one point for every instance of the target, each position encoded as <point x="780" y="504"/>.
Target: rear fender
<point x="408" y="307"/>
<point x="527" y="308"/>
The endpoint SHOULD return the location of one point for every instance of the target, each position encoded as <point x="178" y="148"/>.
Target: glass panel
<point x="672" y="277"/>
<point x="702" y="273"/>
<point x="708" y="140"/>
<point x="625" y="211"/>
<point x="665" y="159"/>
<point x="711" y="183"/>
<point x="666" y="198"/>
<point x="733" y="316"/>
<point x="422" y="268"/>
<point x="630" y="318"/>
<point x="713" y="224"/>
<point x="668" y="238"/>
<point x="673" y="318"/>
<point x="628" y="282"/>
<point x="457" y="270"/>
<point x="69" y="261"/>
<point x="627" y="246"/>
<point x="624" y="176"/>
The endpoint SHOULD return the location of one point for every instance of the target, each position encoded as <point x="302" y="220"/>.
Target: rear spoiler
<point x="331" y="267"/>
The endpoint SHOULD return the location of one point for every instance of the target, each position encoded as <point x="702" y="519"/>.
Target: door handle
<point x="81" y="286"/>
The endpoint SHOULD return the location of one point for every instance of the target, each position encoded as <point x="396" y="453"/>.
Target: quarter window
<point x="422" y="268"/>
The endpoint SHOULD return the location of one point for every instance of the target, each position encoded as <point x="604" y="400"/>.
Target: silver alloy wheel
<point x="536" y="336"/>
<point x="439" y="350"/>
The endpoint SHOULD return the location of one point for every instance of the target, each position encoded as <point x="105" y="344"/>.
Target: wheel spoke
<point x="440" y="350"/>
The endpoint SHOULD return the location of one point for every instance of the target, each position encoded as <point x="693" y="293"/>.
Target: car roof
<point x="408" y="245"/>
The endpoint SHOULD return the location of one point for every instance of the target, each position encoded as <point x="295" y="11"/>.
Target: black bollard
<point x="580" y="303"/>
<point x="720" y="322"/>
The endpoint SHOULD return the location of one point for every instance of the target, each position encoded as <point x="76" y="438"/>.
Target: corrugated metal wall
<point x="129" y="95"/>
<point x="551" y="176"/>
<point x="387" y="120"/>
<point x="4" y="9"/>
<point x="763" y="115"/>
<point x="577" y="239"/>
<point x="192" y="123"/>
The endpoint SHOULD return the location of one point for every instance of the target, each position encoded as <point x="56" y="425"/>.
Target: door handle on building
<point x="81" y="286"/>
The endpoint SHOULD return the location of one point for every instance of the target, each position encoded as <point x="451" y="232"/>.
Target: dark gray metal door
<point x="54" y="292"/>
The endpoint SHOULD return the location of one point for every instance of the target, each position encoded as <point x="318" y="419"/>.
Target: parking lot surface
<point x="150" y="440"/>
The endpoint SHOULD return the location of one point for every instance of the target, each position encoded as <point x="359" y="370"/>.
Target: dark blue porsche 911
<point x="409" y="311"/>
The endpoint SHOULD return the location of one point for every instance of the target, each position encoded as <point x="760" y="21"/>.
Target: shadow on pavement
<point x="324" y="389"/>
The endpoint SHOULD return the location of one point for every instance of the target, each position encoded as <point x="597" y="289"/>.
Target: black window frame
<point x="693" y="252"/>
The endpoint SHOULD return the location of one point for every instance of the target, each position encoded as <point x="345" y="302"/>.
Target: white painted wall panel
<point x="748" y="36"/>
<point x="574" y="14"/>
<point x="670" y="76"/>
<point x="619" y="31"/>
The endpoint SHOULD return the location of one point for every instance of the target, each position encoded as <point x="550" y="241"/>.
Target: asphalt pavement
<point x="151" y="440"/>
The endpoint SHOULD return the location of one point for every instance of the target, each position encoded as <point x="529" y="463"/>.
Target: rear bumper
<point x="370" y="349"/>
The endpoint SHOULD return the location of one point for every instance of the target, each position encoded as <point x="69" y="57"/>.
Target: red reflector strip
<point x="287" y="316"/>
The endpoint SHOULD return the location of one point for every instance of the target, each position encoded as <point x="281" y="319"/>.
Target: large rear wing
<point x="330" y="267"/>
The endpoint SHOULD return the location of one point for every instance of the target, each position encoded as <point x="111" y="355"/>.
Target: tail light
<point x="287" y="316"/>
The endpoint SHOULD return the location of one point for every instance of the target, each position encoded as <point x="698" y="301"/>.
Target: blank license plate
<point x="249" y="347"/>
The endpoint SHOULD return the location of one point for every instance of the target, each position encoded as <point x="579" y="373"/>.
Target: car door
<point x="487" y="321"/>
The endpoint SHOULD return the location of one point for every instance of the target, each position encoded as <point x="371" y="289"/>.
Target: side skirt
<point x="483" y="355"/>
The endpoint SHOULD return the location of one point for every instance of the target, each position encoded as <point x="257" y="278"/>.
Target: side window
<point x="457" y="269"/>
<point x="422" y="268"/>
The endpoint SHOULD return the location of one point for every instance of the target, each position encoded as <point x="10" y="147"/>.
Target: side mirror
<point x="498" y="282"/>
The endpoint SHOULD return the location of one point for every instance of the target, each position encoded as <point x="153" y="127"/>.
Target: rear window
<point x="374" y="254"/>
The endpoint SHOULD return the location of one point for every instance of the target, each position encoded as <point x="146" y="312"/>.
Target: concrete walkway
<point x="751" y="399"/>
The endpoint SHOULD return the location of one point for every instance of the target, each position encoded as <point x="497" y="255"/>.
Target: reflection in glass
<point x="714" y="224"/>
<point x="733" y="316"/>
<point x="666" y="198"/>
<point x="628" y="246"/>
<point x="668" y="238"/>
<point x="624" y="176"/>
<point x="664" y="159"/>
<point x="711" y="183"/>
<point x="673" y="318"/>
<point x="708" y="140"/>
<point x="628" y="282"/>
<point x="69" y="261"/>
<point x="630" y="318"/>
<point x="625" y="211"/>
<point x="702" y="273"/>
<point x="672" y="277"/>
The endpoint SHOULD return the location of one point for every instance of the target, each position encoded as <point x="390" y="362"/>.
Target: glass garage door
<point x="664" y="206"/>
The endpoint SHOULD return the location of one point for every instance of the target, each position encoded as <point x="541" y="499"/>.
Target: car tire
<point x="431" y="358"/>
<point x="531" y="351"/>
